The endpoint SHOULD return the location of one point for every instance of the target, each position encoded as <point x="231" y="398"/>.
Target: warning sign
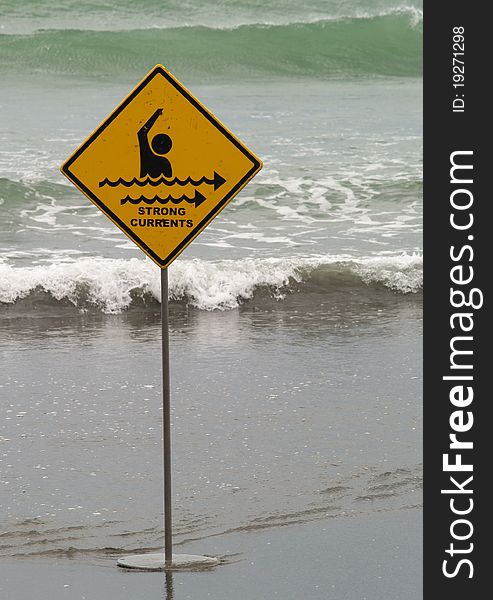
<point x="161" y="166"/>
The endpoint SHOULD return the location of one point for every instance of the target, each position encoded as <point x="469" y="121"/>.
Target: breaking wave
<point x="113" y="285"/>
<point x="388" y="44"/>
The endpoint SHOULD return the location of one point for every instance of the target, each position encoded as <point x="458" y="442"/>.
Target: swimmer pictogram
<point x="156" y="170"/>
<point x="152" y="160"/>
<point x="161" y="166"/>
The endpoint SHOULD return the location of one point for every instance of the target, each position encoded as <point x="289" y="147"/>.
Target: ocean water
<point x="295" y="316"/>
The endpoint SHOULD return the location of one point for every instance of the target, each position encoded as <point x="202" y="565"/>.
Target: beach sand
<point x="300" y="469"/>
<point x="356" y="558"/>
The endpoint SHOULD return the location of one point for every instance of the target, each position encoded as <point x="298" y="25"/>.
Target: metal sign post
<point x="168" y="543"/>
<point x="161" y="167"/>
<point x="167" y="561"/>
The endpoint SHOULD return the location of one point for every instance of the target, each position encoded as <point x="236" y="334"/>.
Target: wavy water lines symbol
<point x="197" y="199"/>
<point x="216" y="180"/>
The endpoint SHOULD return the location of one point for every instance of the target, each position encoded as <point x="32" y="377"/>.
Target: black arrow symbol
<point x="217" y="181"/>
<point x="196" y="200"/>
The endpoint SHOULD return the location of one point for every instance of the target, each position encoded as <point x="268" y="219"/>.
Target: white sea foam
<point x="112" y="284"/>
<point x="400" y="273"/>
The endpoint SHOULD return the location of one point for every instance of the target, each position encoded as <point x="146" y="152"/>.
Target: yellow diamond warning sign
<point x="161" y="166"/>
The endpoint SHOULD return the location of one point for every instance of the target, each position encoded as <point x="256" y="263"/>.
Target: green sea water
<point x="381" y="45"/>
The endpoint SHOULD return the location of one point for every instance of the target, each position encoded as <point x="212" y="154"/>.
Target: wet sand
<point x="356" y="558"/>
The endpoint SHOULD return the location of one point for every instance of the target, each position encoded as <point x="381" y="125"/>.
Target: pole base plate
<point x="155" y="562"/>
